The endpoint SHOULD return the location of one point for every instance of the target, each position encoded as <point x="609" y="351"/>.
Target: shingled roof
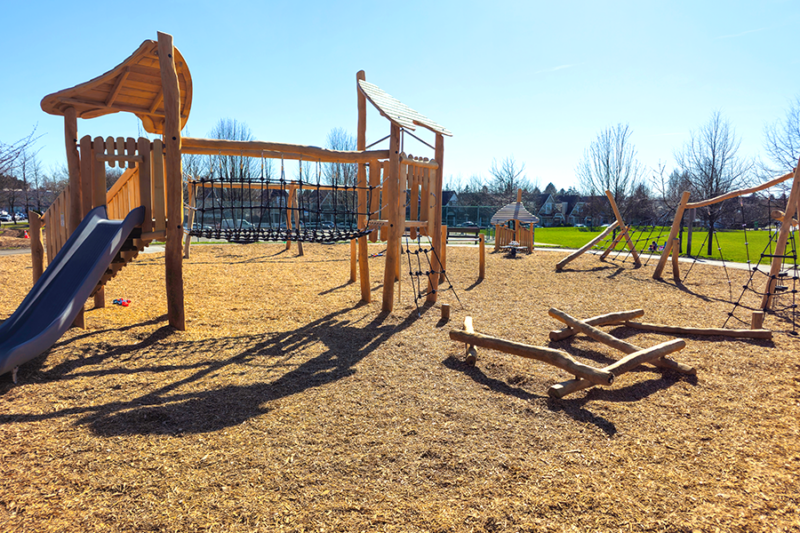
<point x="514" y="211"/>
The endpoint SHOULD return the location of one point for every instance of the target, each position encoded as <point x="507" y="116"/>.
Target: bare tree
<point x="782" y="140"/>
<point x="711" y="166"/>
<point x="232" y="167"/>
<point x="341" y="174"/>
<point x="610" y="164"/>
<point x="507" y="177"/>
<point x="9" y="153"/>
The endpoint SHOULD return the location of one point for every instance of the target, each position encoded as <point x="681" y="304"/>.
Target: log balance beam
<point x="655" y="355"/>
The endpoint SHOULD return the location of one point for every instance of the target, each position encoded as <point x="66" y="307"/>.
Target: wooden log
<point x="626" y="364"/>
<point x="146" y="184"/>
<point x="296" y="194"/>
<point x="37" y="250"/>
<point x="601" y="320"/>
<point x="676" y="252"/>
<point x="756" y="322"/>
<point x="741" y="192"/>
<point x="361" y="143"/>
<point x="74" y="165"/>
<point x="353" y="260"/>
<point x="391" y="193"/>
<point x="631" y="247"/>
<point x="192" y="145"/>
<point x="173" y="256"/>
<point x="577" y="253"/>
<point x="593" y="332"/>
<point x="375" y="196"/>
<point x="557" y="358"/>
<point x="87" y="175"/>
<point x="438" y="261"/>
<point x="482" y="252"/>
<point x="614" y="243"/>
<point x="780" y="245"/>
<point x="721" y="332"/>
<point x="159" y="195"/>
<point x="99" y="196"/>
<point x="673" y="232"/>
<point x="472" y="351"/>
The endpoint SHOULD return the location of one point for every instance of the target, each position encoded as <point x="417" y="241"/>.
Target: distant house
<point x="449" y="198"/>
<point x="573" y="209"/>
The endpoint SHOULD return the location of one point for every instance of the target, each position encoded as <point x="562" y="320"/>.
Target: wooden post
<point x="757" y="321"/>
<point x="617" y="214"/>
<point x="37" y="250"/>
<point x="516" y="222"/>
<point x="74" y="167"/>
<point x="783" y="236"/>
<point x="436" y="238"/>
<point x="445" y="311"/>
<point x="296" y="194"/>
<point x="289" y="206"/>
<point x="390" y="195"/>
<point x="673" y="232"/>
<point x="676" y="253"/>
<point x="87" y="175"/>
<point x="472" y="352"/>
<point x="363" y="208"/>
<point x="482" y="265"/>
<point x="443" y="253"/>
<point x="99" y="198"/>
<point x="173" y="257"/>
<point x="146" y="184"/>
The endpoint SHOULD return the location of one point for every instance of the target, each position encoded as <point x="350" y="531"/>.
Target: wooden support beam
<point x="721" y="332"/>
<point x="601" y="320"/>
<point x="37" y="250"/>
<point x="673" y="232"/>
<point x="626" y="364"/>
<point x="361" y="143"/>
<point x="617" y="214"/>
<point x="437" y="241"/>
<point x="472" y="351"/>
<point x="557" y="358"/>
<point x="741" y="192"/>
<point x="193" y="145"/>
<point x="783" y="237"/>
<point x="577" y="253"/>
<point x="482" y="259"/>
<point x="190" y="222"/>
<point x="676" y="253"/>
<point x="623" y="232"/>
<point x="173" y="256"/>
<point x="391" y="192"/>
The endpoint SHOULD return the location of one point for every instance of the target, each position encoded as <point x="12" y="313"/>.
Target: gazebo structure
<point x="517" y="213"/>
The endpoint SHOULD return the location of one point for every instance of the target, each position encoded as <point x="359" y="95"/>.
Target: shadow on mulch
<point x="162" y="412"/>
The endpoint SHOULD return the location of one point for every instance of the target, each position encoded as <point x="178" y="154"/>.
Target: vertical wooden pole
<point x="436" y="239"/>
<point x="783" y="236"/>
<point x="391" y="181"/>
<point x="37" y="250"/>
<point x="296" y="194"/>
<point x="87" y="175"/>
<point x="676" y="252"/>
<point x="375" y="195"/>
<point x="363" y="208"/>
<point x="673" y="232"/>
<point x="443" y="253"/>
<point x="353" y="260"/>
<point x="173" y="257"/>
<point x="74" y="168"/>
<point x="146" y="184"/>
<point x="516" y="222"/>
<point x="482" y="247"/>
<point x="691" y="213"/>
<point x="289" y="206"/>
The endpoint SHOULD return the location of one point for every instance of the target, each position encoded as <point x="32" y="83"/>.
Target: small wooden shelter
<point x="517" y="213"/>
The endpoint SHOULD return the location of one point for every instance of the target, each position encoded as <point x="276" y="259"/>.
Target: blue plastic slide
<point x="57" y="298"/>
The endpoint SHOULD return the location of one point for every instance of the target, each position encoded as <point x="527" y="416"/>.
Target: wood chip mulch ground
<point x="288" y="406"/>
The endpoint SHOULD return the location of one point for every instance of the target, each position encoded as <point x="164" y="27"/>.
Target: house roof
<point x="396" y="111"/>
<point x="133" y="86"/>
<point x="515" y="211"/>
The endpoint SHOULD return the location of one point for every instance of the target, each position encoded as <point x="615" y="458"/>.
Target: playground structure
<point x="517" y="214"/>
<point x="585" y="376"/>
<point x="155" y="84"/>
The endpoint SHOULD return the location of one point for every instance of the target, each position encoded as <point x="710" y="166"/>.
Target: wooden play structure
<point x="155" y="84"/>
<point x="624" y="233"/>
<point x="585" y="376"/>
<point x="516" y="213"/>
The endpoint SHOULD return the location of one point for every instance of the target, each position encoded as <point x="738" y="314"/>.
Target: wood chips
<point x="289" y="406"/>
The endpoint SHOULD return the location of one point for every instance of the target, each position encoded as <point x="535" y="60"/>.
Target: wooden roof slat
<point x="132" y="86"/>
<point x="515" y="211"/>
<point x="396" y="111"/>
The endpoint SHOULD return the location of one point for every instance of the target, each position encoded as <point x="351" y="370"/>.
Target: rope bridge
<point x="262" y="209"/>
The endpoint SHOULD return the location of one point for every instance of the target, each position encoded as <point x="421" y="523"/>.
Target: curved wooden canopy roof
<point x="133" y="86"/>
<point x="396" y="111"/>
<point x="514" y="211"/>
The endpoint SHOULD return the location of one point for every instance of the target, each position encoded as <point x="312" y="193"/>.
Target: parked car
<point x="229" y="223"/>
<point x="5" y="218"/>
<point x="468" y="224"/>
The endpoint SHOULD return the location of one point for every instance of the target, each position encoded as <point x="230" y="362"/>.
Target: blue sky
<point x="533" y="80"/>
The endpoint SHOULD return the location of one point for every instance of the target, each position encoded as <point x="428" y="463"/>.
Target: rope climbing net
<point x="251" y="209"/>
<point x="422" y="269"/>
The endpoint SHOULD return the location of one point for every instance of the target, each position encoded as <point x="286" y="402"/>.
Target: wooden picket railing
<point x="418" y="175"/>
<point x="505" y="236"/>
<point x="142" y="183"/>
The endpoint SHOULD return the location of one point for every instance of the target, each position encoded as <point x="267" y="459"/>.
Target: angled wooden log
<point x="472" y="352"/>
<point x="550" y="356"/>
<point x="601" y="320"/>
<point x="722" y="332"/>
<point x="624" y="347"/>
<point x="626" y="364"/>
<point x="577" y="253"/>
<point x="627" y="237"/>
<point x="614" y="243"/>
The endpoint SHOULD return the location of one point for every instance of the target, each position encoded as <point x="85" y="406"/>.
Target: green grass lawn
<point x="732" y="242"/>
